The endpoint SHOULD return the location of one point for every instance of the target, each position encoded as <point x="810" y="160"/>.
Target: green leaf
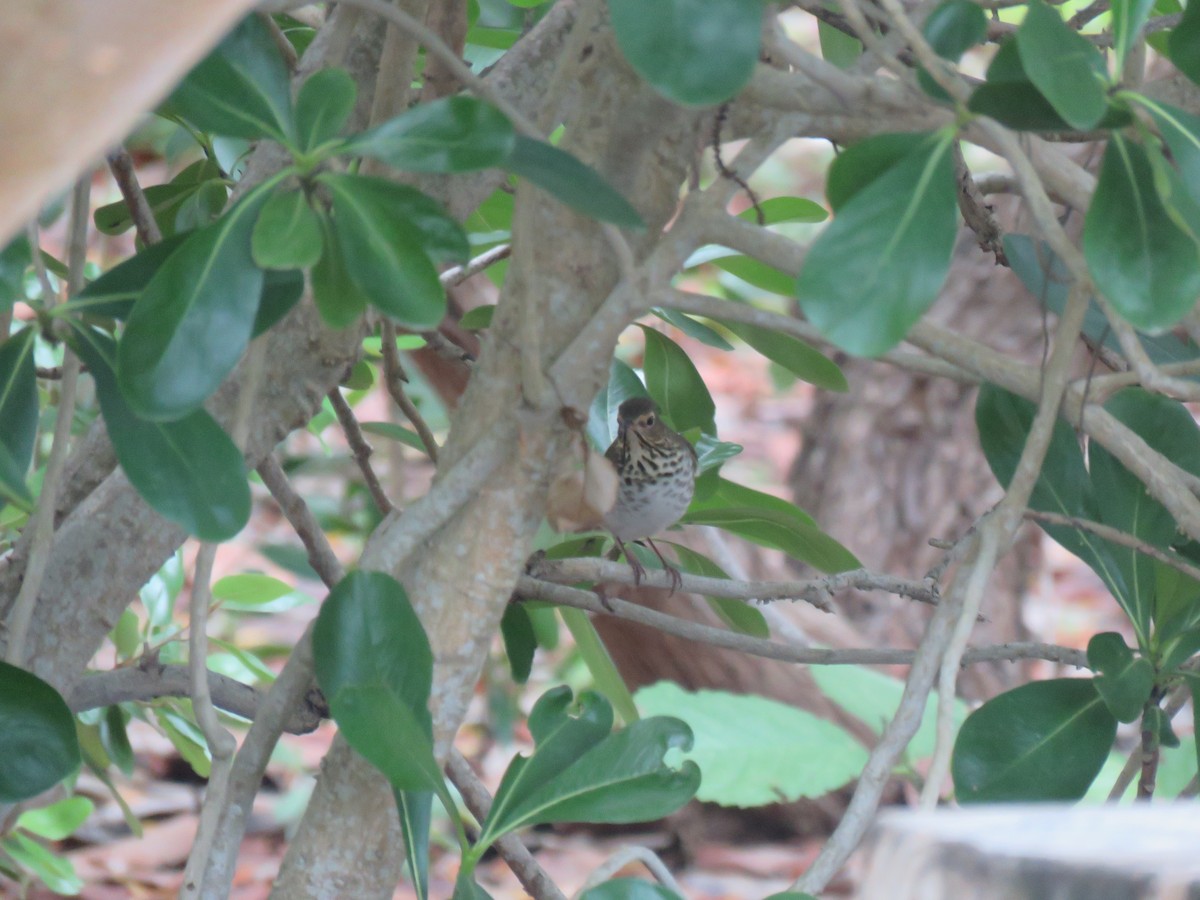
<point x="622" y="778"/>
<point x="861" y="164"/>
<point x="454" y="134"/>
<point x="896" y="236"/>
<point x="385" y="251"/>
<point x="1063" y="65"/>
<point x="674" y="381"/>
<point x="837" y="47"/>
<point x="189" y="470"/>
<point x="951" y="29"/>
<point x="478" y="318"/>
<point x="250" y="588"/>
<point x="38" y="747"/>
<point x="747" y="746"/>
<point x="605" y="677"/>
<point x="1147" y="267"/>
<point x="287" y="234"/>
<point x="56" y="872"/>
<point x="1125" y="681"/>
<point x="572" y="182"/>
<point x="339" y="299"/>
<point x="18" y="406"/>
<point x="520" y="642"/>
<point x="1041" y="741"/>
<point x="57" y="821"/>
<point x="374" y="664"/>
<point x="737" y="614"/>
<point x="1184" y="43"/>
<point x="694" y="52"/>
<point x="416" y="815"/>
<point x="12" y="482"/>
<point x="15" y="259"/>
<point x="394" y="432"/>
<point x="785" y="209"/>
<point x="112" y="295"/>
<point x="190" y="326"/>
<point x="1128" y="17"/>
<point x="756" y="273"/>
<point x="801" y="359"/>
<point x="115" y="738"/>
<point x="693" y="328"/>
<point x="623" y="383"/>
<point x="281" y="290"/>
<point x="1181" y="131"/>
<point x="628" y="889"/>
<point x="187" y="738"/>
<point x="241" y="89"/>
<point x="712" y="453"/>
<point x="803" y="542"/>
<point x="323" y="105"/>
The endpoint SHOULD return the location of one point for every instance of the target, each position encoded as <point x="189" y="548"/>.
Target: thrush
<point x="656" y="470"/>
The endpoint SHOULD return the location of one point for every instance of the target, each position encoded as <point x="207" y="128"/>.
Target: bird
<point x="656" y="477"/>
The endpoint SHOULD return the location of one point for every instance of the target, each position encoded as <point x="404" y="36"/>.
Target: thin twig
<point x="42" y="520"/>
<point x="120" y="163"/>
<point x="514" y="853"/>
<point x="624" y="857"/>
<point x="49" y="295"/>
<point x="320" y="554"/>
<point x="1117" y="536"/>
<point x="394" y="379"/>
<point x="361" y="449"/>
<point x="459" y="274"/>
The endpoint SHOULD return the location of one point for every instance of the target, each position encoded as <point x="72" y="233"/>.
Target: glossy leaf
<point x="572" y="182"/>
<point x="1181" y="131"/>
<point x="1128" y="17"/>
<point x="695" y="52"/>
<point x="747" y="746"/>
<point x="374" y="665"/>
<point x="112" y="295"/>
<point x="737" y="614"/>
<point x="189" y="327"/>
<point x="757" y="273"/>
<point x="416" y="816"/>
<point x="711" y="453"/>
<point x="628" y="889"/>
<point x="57" y="821"/>
<point x="801" y="359"/>
<point x="115" y="737"/>
<point x="605" y="677"/>
<point x="338" y="298"/>
<point x="385" y="251"/>
<point x="323" y="105"/>
<point x="1147" y="267"/>
<point x="777" y="210"/>
<point x="861" y="164"/>
<point x="896" y="236"/>
<point x="623" y="383"/>
<point x="12" y="482"/>
<point x="693" y="328"/>
<point x="281" y="290"/>
<point x="520" y="642"/>
<point x="1063" y="65"/>
<point x="15" y="259"/>
<point x="38" y="747"/>
<point x="454" y="134"/>
<point x="18" y="404"/>
<point x="1124" y="681"/>
<point x="287" y="234"/>
<point x="675" y="382"/>
<point x="1183" y="45"/>
<point x="1046" y="740"/>
<point x="620" y="778"/>
<point x="241" y="89"/>
<point x="952" y="28"/>
<point x="803" y="542"/>
<point x="188" y="470"/>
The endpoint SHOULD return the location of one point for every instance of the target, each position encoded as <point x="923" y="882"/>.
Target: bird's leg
<point x="634" y="563"/>
<point x="672" y="572"/>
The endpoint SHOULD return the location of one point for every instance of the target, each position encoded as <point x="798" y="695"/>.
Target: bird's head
<point x="640" y="416"/>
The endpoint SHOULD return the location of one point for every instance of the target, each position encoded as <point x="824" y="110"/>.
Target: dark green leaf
<point x="803" y="542"/>
<point x="519" y="641"/>
<point x="623" y="383"/>
<point x="572" y="182"/>
<point x="56" y="872"/>
<point x="200" y="208"/>
<point x="1181" y="131"/>
<point x="38" y="747"/>
<point x="1128" y="17"/>
<point x="1184" y="43"/>
<point x="15" y="259"/>
<point x="951" y="29"/>
<point x="394" y="432"/>
<point x="785" y="209"/>
<point x="337" y="295"/>
<point x="695" y="52"/>
<point x="323" y="105"/>
<point x="861" y="164"/>
<point x="1193" y="682"/>
<point x="1124" y="681"/>
<point x="466" y="888"/>
<point x="190" y="326"/>
<point x="1147" y="267"/>
<point x="188" y="470"/>
<point x="385" y="251"/>
<point x="802" y="360"/>
<point x="112" y="295"/>
<point x="581" y="773"/>
<point x="1063" y="65"/>
<point x="674" y="381"/>
<point x="375" y="667"/>
<point x="281" y="290"/>
<point x="896" y="235"/>
<point x="757" y="273"/>
<point x="837" y="47"/>
<point x="1159" y="722"/>
<point x="605" y="677"/>
<point x="12" y="482"/>
<point x="115" y="739"/>
<point x="164" y="201"/>
<point x="18" y="401"/>
<point x="737" y="614"/>
<point x="731" y="494"/>
<point x="693" y="328"/>
<point x="478" y="318"/>
<point x="711" y="453"/>
<point x="416" y="814"/>
<point x="287" y="234"/>
<point x="1041" y="741"/>
<point x="628" y="889"/>
<point x="241" y="89"/>
<point x="455" y="134"/>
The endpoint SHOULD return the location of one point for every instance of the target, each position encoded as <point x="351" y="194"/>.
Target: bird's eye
<point x="650" y="420"/>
